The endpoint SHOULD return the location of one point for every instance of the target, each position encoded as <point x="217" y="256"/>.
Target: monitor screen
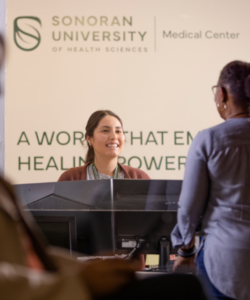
<point x="59" y="231"/>
<point x="145" y="211"/>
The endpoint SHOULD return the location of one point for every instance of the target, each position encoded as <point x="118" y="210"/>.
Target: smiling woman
<point x="105" y="138"/>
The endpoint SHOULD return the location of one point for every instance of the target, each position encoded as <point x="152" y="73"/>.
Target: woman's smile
<point x="112" y="145"/>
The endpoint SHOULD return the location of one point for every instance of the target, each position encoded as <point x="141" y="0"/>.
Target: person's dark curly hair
<point x="236" y="77"/>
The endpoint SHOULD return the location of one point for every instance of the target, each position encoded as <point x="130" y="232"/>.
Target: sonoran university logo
<point x="26" y="34"/>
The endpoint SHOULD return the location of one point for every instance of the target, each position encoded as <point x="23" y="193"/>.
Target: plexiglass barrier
<point x="110" y="215"/>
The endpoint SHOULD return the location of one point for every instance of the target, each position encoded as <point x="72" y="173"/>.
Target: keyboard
<point x="156" y="268"/>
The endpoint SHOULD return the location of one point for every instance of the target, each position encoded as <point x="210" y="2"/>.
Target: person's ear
<point x="224" y="94"/>
<point x="89" y="140"/>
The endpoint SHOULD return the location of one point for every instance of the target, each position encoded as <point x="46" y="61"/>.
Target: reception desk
<point x="96" y="216"/>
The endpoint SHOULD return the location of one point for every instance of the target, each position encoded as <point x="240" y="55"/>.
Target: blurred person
<point x="216" y="192"/>
<point x="105" y="139"/>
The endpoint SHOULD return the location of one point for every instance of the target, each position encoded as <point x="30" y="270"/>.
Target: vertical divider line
<point x="112" y="212"/>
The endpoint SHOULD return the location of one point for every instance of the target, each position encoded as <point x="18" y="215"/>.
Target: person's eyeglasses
<point x="214" y="87"/>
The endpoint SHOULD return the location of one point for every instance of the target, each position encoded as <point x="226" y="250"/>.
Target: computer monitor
<point x="89" y="202"/>
<point x="146" y="210"/>
<point x="59" y="231"/>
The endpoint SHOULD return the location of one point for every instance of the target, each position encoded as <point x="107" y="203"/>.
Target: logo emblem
<point x="26" y="34"/>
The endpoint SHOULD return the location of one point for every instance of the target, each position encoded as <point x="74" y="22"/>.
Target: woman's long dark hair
<point x="92" y="123"/>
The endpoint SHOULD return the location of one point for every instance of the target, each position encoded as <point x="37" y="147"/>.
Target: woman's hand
<point x="184" y="264"/>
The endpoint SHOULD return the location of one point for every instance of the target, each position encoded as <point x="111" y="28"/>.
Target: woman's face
<point x="108" y="138"/>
